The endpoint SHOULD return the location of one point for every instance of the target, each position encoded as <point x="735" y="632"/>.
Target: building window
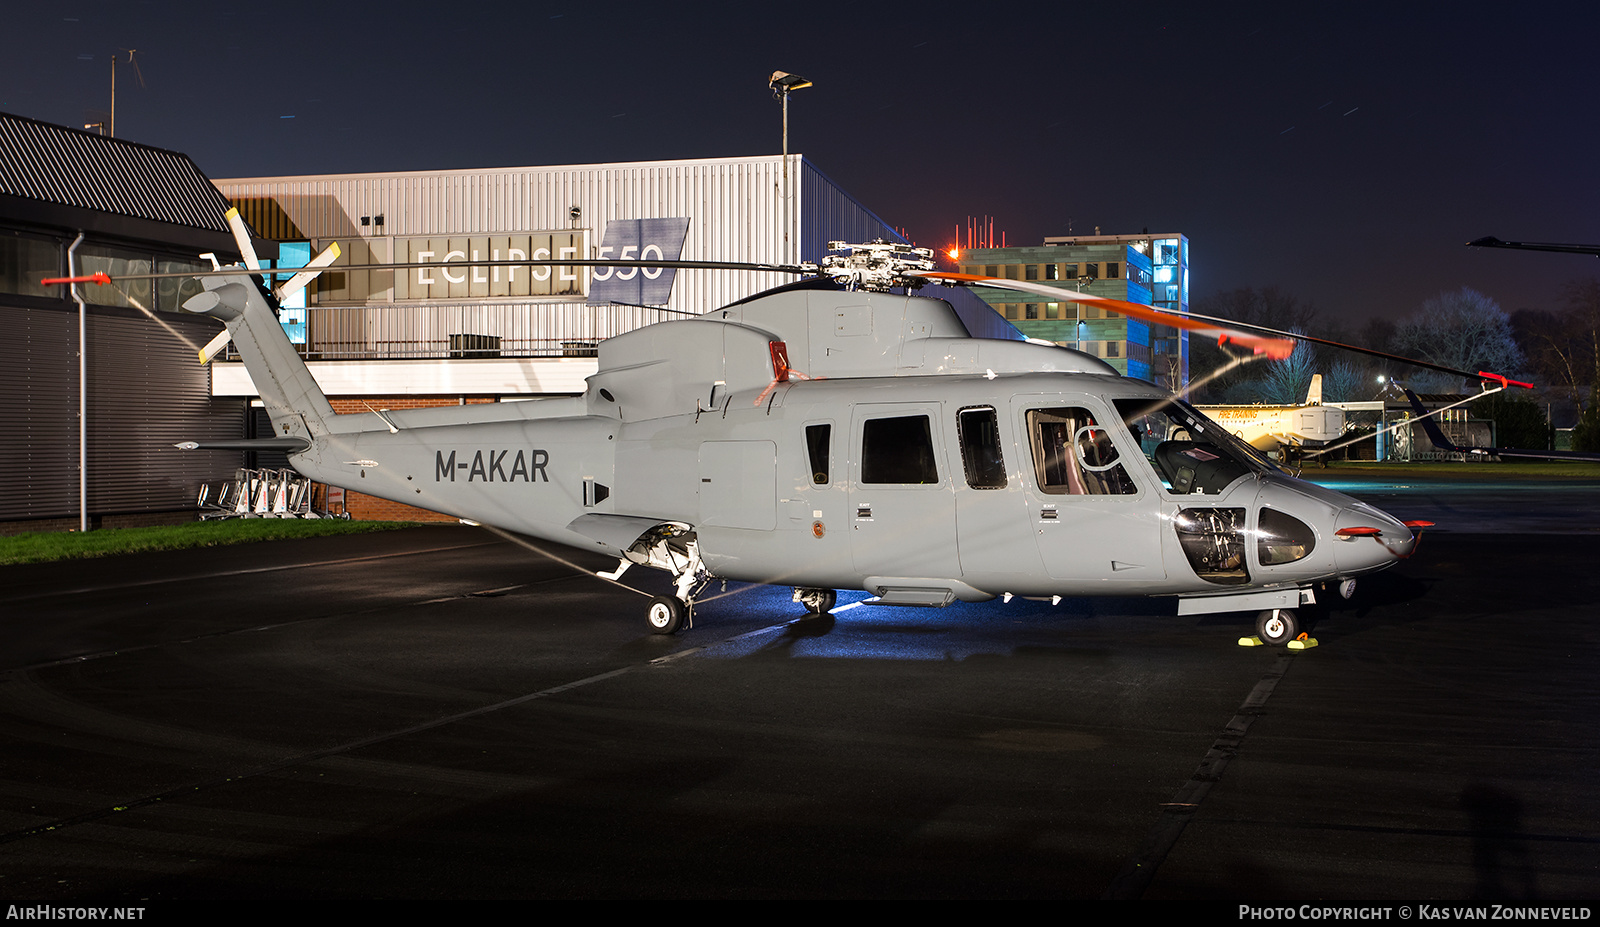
<point x="173" y="292"/>
<point x="1031" y="271"/>
<point x="24" y="261"/>
<point x="1052" y="271"/>
<point x="1113" y="270"/>
<point x="101" y="259"/>
<point x="1032" y="310"/>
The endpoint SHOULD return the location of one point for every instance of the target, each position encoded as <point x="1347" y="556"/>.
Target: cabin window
<point x="817" y="440"/>
<point x="1073" y="454"/>
<point x="898" y="450"/>
<point x="979" y="431"/>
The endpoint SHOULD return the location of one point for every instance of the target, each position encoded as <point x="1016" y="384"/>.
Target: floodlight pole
<point x="781" y="83"/>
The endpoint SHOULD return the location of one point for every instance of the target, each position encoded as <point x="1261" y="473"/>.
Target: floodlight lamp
<point x="783" y="82"/>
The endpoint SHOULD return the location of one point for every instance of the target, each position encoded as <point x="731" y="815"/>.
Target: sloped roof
<point x="53" y="165"/>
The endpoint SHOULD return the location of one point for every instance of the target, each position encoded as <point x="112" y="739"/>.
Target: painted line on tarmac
<point x="199" y="577"/>
<point x="136" y="648"/>
<point x="315" y="755"/>
<point x="1140" y="869"/>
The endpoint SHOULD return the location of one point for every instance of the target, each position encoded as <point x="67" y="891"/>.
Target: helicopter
<point x="844" y="432"/>
<point x="1437" y="438"/>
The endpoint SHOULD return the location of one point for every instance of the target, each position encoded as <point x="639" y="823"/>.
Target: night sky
<point x="1342" y="152"/>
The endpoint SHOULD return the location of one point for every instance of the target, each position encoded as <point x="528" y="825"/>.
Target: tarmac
<point x="442" y="713"/>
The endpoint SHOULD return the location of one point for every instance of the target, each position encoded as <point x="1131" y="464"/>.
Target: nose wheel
<point x="1277" y="626"/>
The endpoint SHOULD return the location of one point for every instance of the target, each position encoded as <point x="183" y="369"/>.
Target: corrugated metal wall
<point x="146" y="393"/>
<point x="734" y="205"/>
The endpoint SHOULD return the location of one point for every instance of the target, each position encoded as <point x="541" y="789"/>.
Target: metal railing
<point x="473" y="331"/>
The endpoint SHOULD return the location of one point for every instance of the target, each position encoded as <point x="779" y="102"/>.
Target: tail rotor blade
<point x="241" y="236"/>
<point x="312" y="268"/>
<point x="214" y="347"/>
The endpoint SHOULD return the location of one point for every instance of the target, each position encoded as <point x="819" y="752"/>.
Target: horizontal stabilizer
<point x="289" y="445"/>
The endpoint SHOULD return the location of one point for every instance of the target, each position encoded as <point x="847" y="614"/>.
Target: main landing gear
<point x="816" y="601"/>
<point x="666" y="614"/>
<point x="674" y="548"/>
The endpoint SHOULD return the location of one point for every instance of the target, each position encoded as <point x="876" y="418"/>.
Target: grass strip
<point x="47" y="546"/>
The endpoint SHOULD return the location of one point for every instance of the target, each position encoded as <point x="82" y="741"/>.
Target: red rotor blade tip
<point x="99" y="278"/>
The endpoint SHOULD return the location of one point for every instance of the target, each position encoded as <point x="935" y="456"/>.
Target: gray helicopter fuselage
<point x="782" y="490"/>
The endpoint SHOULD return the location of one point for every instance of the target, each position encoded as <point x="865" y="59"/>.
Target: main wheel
<point x="1277" y="626"/>
<point x="819" y="601"/>
<point x="665" y="614"/>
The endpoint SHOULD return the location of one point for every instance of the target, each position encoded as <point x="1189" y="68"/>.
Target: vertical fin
<point x="1314" y="394"/>
<point x="289" y="392"/>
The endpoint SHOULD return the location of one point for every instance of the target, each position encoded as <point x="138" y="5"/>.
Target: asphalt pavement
<point x="442" y="713"/>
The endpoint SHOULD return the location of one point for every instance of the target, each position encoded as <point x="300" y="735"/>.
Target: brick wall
<point x="363" y="507"/>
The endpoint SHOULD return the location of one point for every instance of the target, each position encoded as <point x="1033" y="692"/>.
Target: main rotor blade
<point x="1397" y="358"/>
<point x="801" y="269"/>
<point x="1276" y="348"/>
<point x="1492" y="242"/>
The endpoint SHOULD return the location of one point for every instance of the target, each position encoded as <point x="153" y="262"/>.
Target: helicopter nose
<point x="1367" y="539"/>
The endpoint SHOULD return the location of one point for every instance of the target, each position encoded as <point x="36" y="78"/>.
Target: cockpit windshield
<point x="1191" y="453"/>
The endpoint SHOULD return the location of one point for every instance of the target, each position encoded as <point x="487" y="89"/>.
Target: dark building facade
<point x="91" y="445"/>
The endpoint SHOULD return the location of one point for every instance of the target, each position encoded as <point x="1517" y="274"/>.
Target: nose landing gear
<point x="1277" y="626"/>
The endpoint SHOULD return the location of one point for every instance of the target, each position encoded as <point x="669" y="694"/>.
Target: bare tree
<point x="1269" y="306"/>
<point x="1285" y="382"/>
<point x="1564" y="347"/>
<point x="1463" y="329"/>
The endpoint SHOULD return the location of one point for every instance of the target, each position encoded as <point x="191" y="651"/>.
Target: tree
<point x="1285" y="382"/>
<point x="1586" y="436"/>
<point x="1465" y="330"/>
<point x="1346" y="381"/>
<point x="1269" y="306"/>
<point x="1564" y="347"/>
<point x="1518" y="422"/>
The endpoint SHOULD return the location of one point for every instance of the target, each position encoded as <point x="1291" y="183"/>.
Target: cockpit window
<point x="1074" y="455"/>
<point x="1191" y="453"/>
